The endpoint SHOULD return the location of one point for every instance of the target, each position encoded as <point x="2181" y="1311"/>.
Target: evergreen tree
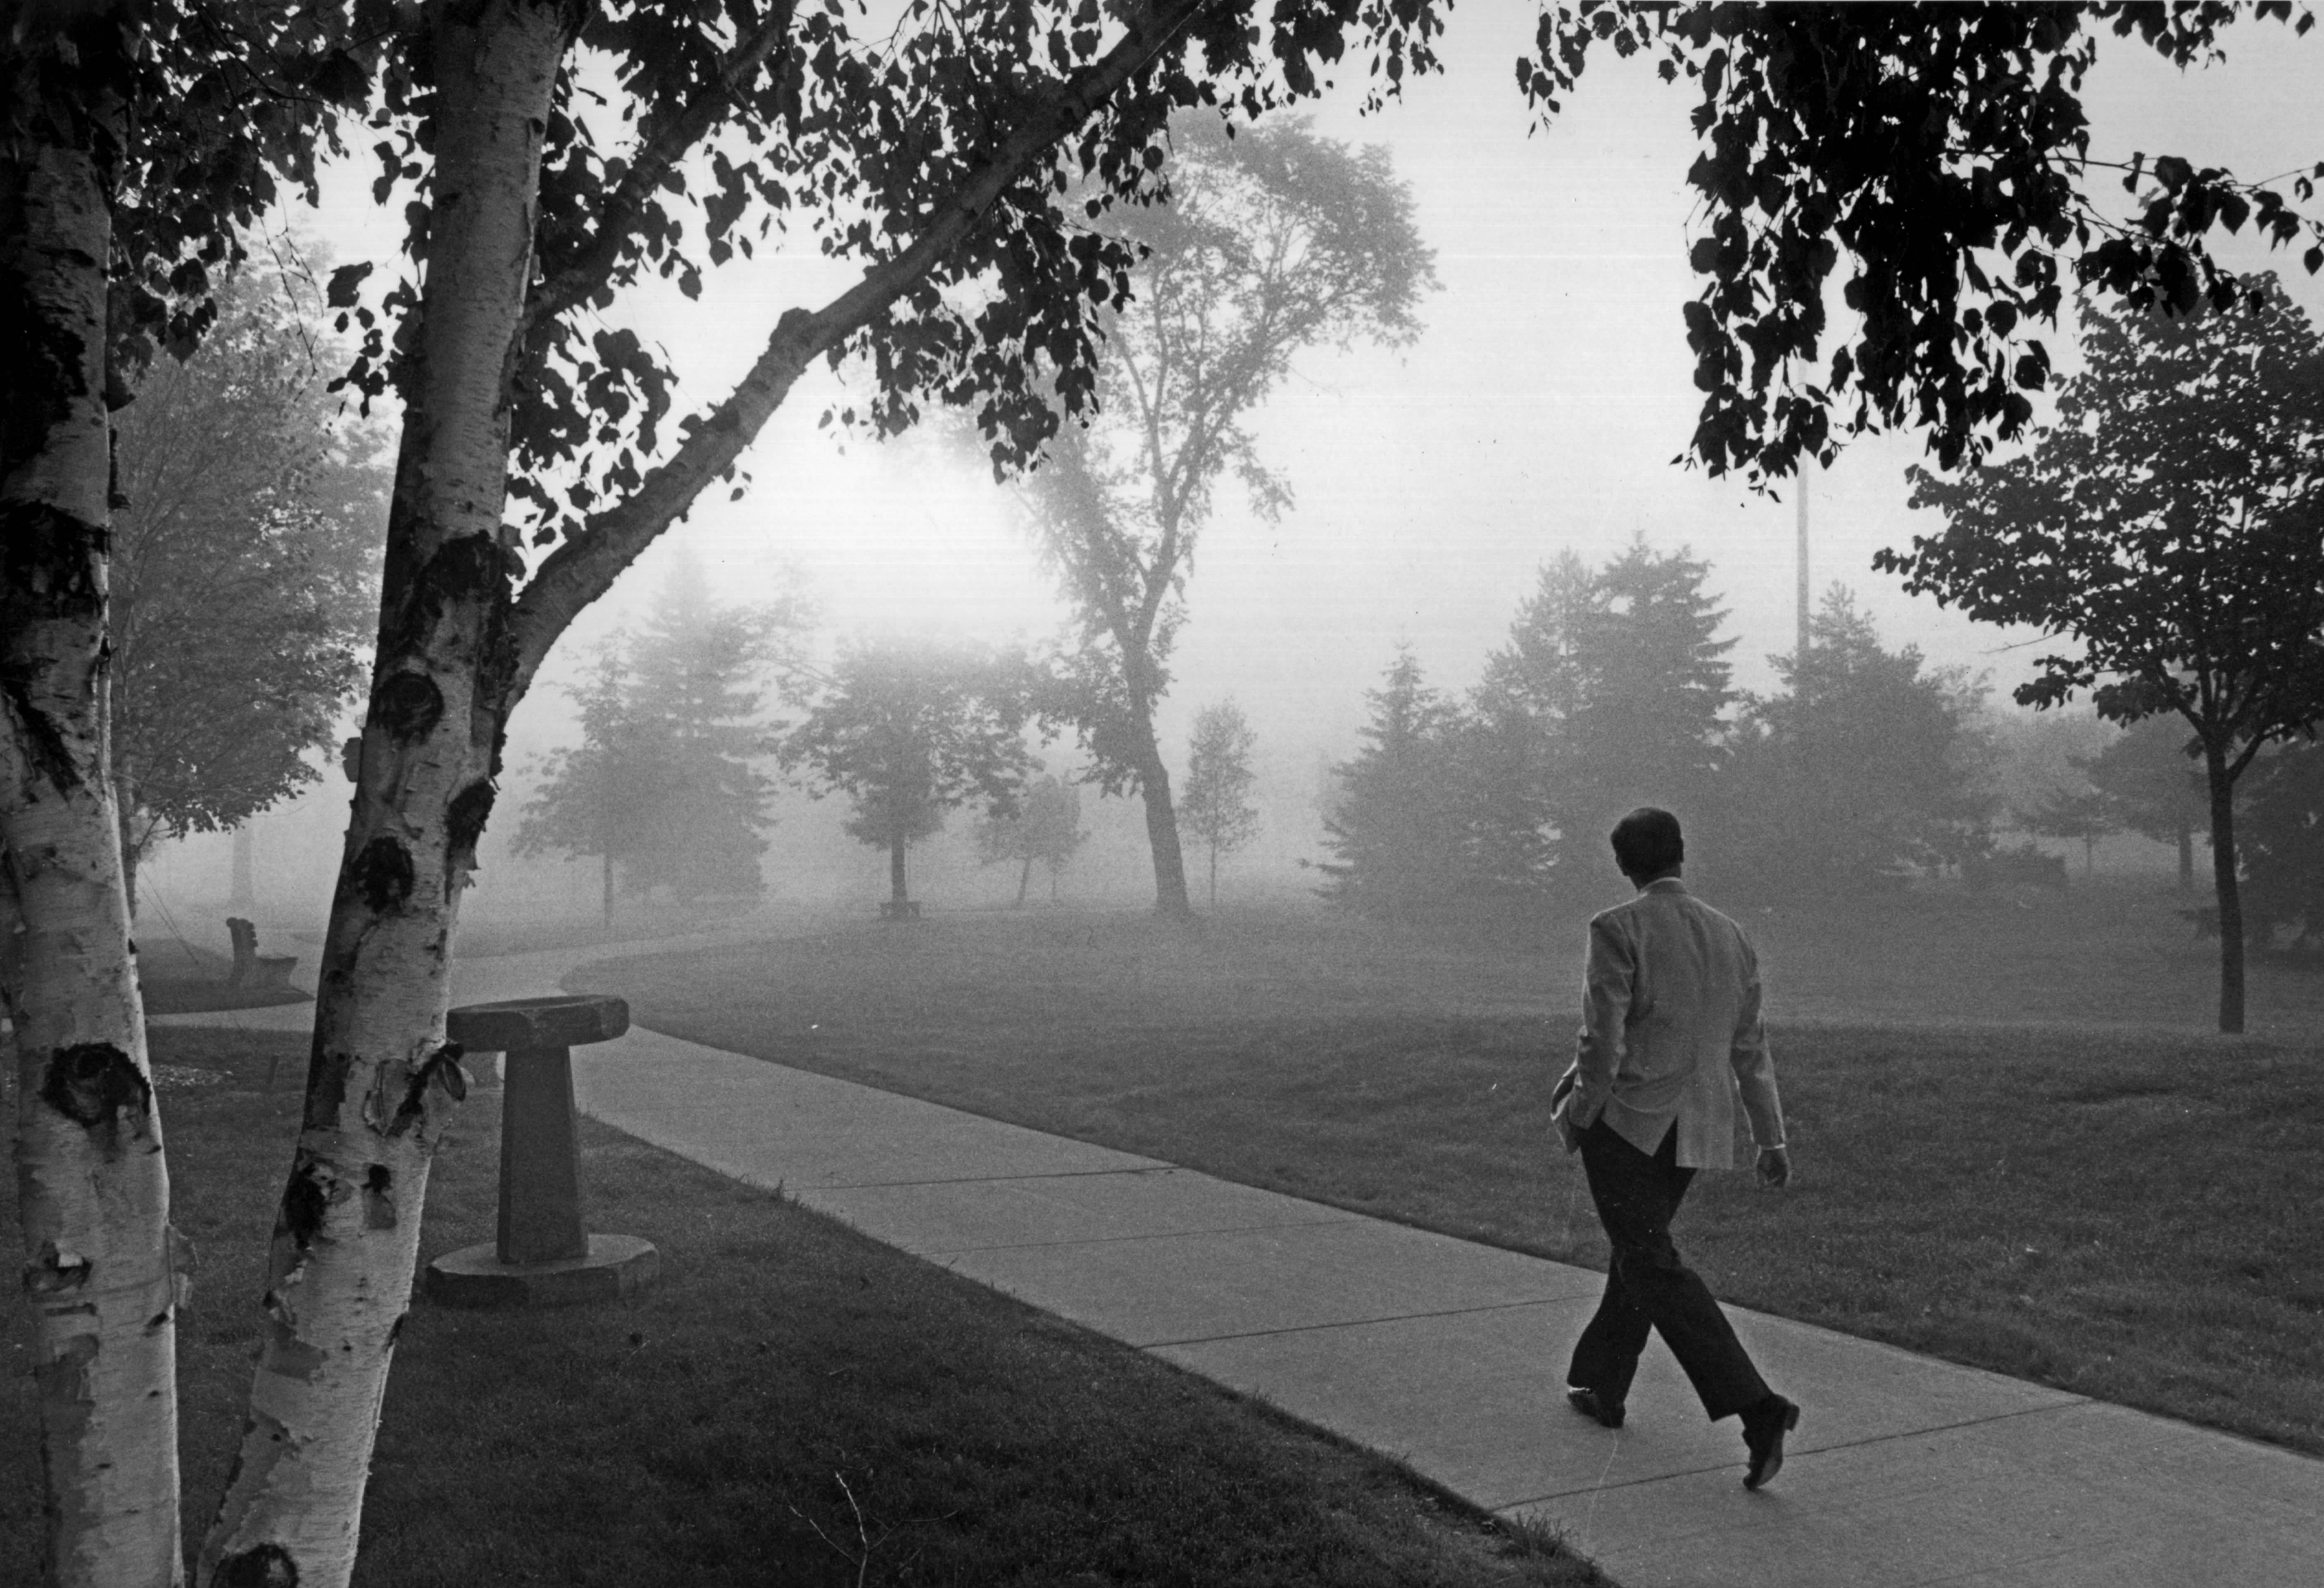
<point x="1647" y="729"/>
<point x="662" y="789"/>
<point x="1216" y="807"/>
<point x="1866" y="766"/>
<point x="1608" y="695"/>
<point x="1512" y="754"/>
<point x="1400" y="834"/>
<point x="1044" y="829"/>
<point x="702" y="670"/>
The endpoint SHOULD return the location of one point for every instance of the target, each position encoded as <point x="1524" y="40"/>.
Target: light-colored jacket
<point x="1670" y="1010"/>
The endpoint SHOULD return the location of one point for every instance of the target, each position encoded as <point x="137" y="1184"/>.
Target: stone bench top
<point x="566" y="1019"/>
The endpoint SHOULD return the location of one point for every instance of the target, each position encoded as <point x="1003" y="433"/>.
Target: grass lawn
<point x="791" y="1399"/>
<point x="2123" y="1210"/>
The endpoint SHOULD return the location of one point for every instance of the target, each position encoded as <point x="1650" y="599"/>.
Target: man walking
<point x="1672" y="1009"/>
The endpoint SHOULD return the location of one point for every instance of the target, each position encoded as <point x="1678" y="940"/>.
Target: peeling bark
<point x="101" y="1269"/>
<point x="347" y="1238"/>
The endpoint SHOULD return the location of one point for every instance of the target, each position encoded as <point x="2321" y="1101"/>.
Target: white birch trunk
<point x="99" y="1276"/>
<point x="380" y="1083"/>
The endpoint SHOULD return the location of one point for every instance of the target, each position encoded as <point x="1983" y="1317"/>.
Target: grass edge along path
<point x="2124" y="1216"/>
<point x="793" y="1403"/>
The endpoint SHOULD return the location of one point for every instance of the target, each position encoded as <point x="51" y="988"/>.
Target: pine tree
<point x="661" y="788"/>
<point x="701" y="676"/>
<point x="1399" y="833"/>
<point x="1608" y="695"/>
<point x="1867" y="766"/>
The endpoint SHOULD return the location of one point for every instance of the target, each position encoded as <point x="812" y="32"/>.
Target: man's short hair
<point x="1648" y="842"/>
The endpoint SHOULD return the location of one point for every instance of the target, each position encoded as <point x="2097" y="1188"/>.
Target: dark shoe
<point x="1764" y="1427"/>
<point x="1608" y="1414"/>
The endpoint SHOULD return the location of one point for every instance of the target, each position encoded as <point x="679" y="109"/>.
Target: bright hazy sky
<point x="1540" y="409"/>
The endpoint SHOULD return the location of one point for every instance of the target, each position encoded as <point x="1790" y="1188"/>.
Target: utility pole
<point x="1801" y="656"/>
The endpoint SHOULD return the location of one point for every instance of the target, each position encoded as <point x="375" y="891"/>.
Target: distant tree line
<point x="1613" y="690"/>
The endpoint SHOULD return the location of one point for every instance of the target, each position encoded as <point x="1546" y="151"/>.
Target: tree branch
<point x="586" y="566"/>
<point x="557" y="294"/>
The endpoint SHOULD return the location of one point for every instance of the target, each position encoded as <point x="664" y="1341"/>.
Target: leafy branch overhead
<point x="1945" y="151"/>
<point x="935" y="157"/>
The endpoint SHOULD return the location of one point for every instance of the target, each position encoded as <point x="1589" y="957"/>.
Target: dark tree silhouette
<point x="1941" y="154"/>
<point x="2172" y="525"/>
<point x="1274" y="242"/>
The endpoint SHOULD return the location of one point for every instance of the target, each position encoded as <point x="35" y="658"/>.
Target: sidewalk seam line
<point x="1394" y="1318"/>
<point x="2003" y="1416"/>
<point x="1148" y="1235"/>
<point x="1156" y="1167"/>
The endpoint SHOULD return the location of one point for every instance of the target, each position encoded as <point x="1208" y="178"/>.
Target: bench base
<point x="475" y="1275"/>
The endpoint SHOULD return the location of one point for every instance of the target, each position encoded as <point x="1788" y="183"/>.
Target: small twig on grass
<point x="861" y="1561"/>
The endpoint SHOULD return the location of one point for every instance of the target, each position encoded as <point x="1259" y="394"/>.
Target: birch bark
<point x="99" y="1270"/>
<point x="380" y="1076"/>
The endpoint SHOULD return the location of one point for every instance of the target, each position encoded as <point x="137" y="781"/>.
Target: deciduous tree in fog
<point x="244" y="585"/>
<point x="909" y="730"/>
<point x="1274" y="242"/>
<point x="2170" y="525"/>
<point x="1217" y="808"/>
<point x="1044" y="829"/>
<point x="2079" y="814"/>
<point x="2151" y="776"/>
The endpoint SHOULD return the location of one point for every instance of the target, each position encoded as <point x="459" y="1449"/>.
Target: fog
<point x="1541" y="409"/>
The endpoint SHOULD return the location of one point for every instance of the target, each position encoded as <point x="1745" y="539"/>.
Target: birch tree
<point x="132" y="141"/>
<point x="537" y="463"/>
<point x="1275" y="241"/>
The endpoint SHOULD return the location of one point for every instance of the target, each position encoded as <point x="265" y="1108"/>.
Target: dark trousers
<point x="1647" y="1286"/>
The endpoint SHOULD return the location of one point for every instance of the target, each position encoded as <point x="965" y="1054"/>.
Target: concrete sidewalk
<point x="1904" y="1471"/>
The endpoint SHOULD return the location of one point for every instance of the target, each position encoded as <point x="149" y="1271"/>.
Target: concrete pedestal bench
<point x="544" y="1256"/>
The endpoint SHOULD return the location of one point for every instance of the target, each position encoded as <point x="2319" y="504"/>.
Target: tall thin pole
<point x="1801" y="656"/>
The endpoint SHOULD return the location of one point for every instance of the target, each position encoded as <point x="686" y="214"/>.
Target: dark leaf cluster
<point x="1944" y="154"/>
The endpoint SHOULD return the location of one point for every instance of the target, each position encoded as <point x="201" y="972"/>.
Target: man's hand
<point x="1774" y="1167"/>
